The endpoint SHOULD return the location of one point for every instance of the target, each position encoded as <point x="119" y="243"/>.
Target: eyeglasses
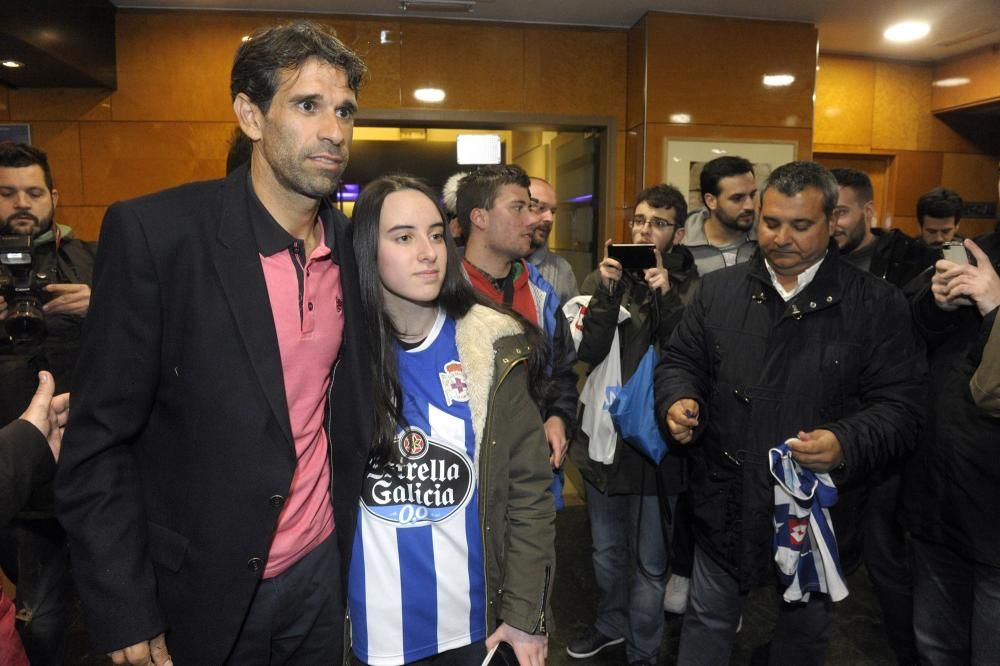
<point x="655" y="222"/>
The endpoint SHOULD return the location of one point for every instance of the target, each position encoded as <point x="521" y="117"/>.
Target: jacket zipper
<point x="540" y="627"/>
<point x="484" y="497"/>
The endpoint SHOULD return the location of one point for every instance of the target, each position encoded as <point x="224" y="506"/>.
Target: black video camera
<point x="23" y="288"/>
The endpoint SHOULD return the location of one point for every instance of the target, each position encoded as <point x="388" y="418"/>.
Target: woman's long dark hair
<point x="456" y="299"/>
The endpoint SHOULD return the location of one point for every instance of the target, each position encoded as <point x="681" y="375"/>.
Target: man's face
<point x="509" y="225"/>
<point x="734" y="207"/>
<point x="305" y="136"/>
<point x="543" y="206"/>
<point x="657" y="226"/>
<point x="27" y="206"/>
<point x="853" y="219"/>
<point x="936" y="231"/>
<point x="794" y="232"/>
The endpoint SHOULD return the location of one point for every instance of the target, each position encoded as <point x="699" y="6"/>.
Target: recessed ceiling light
<point x="429" y="94"/>
<point x="719" y="151"/>
<point x="680" y="118"/>
<point x="907" y="31"/>
<point x="245" y="38"/>
<point x="953" y="82"/>
<point x="12" y="64"/>
<point x="775" y="80"/>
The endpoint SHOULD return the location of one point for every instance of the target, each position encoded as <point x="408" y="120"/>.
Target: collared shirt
<point x="307" y="306"/>
<point x="804" y="278"/>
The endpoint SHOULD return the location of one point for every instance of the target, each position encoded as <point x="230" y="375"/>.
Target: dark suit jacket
<point x="26" y="463"/>
<point x="179" y="437"/>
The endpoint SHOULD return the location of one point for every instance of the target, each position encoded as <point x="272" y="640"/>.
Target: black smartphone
<point x="634" y="257"/>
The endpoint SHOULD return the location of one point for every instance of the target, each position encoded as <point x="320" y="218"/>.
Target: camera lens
<point x="25" y="321"/>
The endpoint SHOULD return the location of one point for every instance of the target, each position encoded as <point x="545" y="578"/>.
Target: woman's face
<point x="411" y="248"/>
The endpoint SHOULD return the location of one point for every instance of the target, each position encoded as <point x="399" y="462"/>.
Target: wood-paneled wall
<point x="711" y="70"/>
<point x="978" y="75"/>
<point x="868" y="106"/>
<point x="170" y="118"/>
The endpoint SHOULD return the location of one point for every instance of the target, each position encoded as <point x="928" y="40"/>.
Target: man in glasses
<point x="630" y="553"/>
<point x="553" y="268"/>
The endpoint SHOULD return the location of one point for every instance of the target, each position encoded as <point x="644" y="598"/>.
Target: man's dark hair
<point x="939" y="202"/>
<point x="19" y="155"/>
<point x="857" y="181"/>
<point x="790" y="179"/>
<point x="240" y="150"/>
<point x="261" y="59"/>
<point x="664" y="196"/>
<point x="719" y="168"/>
<point x="481" y="187"/>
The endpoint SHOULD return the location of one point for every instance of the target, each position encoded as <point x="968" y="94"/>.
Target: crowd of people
<point x="297" y="438"/>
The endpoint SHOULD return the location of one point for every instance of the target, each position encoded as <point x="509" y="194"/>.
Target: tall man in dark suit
<point x="215" y="454"/>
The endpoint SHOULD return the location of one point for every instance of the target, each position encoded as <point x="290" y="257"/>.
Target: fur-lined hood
<point x="477" y="335"/>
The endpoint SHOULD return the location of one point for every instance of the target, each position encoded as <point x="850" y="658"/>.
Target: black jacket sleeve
<point x="683" y="369"/>
<point x="26" y="463"/>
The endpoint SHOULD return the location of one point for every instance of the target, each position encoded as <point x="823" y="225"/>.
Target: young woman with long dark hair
<point x="453" y="550"/>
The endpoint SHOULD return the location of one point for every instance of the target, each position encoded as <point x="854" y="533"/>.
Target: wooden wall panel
<point x="636" y="75"/>
<point x="85" y="220"/>
<point x="621" y="139"/>
<point x="381" y="88"/>
<point x="916" y="173"/>
<point x="844" y="102"/>
<point x="981" y="67"/>
<point x="60" y="104"/>
<point x="480" y="67"/>
<point x="4" y="107"/>
<point x="61" y="141"/>
<point x="972" y="176"/>
<point x="123" y="160"/>
<point x="586" y="78"/>
<point x="711" y="68"/>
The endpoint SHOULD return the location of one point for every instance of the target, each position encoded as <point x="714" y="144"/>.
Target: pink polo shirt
<point x="307" y="304"/>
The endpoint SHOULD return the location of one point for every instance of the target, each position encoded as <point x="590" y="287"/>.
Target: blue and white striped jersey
<point x="416" y="584"/>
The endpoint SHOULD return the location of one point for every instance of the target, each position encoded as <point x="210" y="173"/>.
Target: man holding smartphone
<point x="622" y="498"/>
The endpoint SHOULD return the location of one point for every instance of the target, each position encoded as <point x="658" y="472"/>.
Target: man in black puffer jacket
<point x="794" y="345"/>
<point x="951" y="488"/>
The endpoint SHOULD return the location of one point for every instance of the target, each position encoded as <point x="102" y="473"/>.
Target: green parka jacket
<point x="516" y="511"/>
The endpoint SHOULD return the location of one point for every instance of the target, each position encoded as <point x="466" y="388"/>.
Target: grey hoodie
<point x="709" y="257"/>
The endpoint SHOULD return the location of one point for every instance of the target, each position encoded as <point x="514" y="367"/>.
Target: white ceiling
<point x="845" y="26"/>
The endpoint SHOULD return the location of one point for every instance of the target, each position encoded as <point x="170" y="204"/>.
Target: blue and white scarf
<point x="805" y="546"/>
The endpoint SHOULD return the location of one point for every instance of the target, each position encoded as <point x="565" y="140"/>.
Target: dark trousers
<point x="801" y="636"/>
<point x="887" y="559"/>
<point x="297" y="617"/>
<point x="956" y="607"/>
<point x="45" y="596"/>
<point x="470" y="655"/>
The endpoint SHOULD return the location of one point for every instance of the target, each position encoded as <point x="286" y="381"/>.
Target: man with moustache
<point x="553" y="268"/>
<point x="939" y="212"/>
<point x="889" y="254"/>
<point x="35" y="551"/>
<point x="211" y="469"/>
<point x="722" y="233"/>
<point x="794" y="346"/>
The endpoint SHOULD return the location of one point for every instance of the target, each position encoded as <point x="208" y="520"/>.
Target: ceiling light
<point x="429" y="94"/>
<point x="245" y="38"/>
<point x="776" y="80"/>
<point x="953" y="82"/>
<point x="680" y="118"/>
<point x="907" y="31"/>
<point x="12" y="64"/>
<point x="719" y="151"/>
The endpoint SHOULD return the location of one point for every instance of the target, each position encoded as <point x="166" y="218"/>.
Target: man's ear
<point x="869" y="213"/>
<point x="711" y="202"/>
<point x="679" y="235"/>
<point x="55" y="197"/>
<point x="479" y="218"/>
<point x="249" y="116"/>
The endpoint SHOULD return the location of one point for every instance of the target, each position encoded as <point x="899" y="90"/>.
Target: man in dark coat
<point x="793" y="346"/>
<point x="952" y="484"/>
<point x="630" y="553"/>
<point x="219" y="398"/>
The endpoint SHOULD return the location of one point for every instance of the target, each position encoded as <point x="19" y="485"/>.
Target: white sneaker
<point x="675" y="598"/>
